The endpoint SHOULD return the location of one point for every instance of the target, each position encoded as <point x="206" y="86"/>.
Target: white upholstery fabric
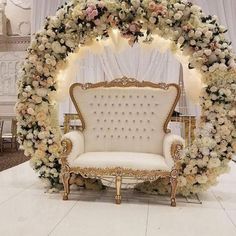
<point x="124" y="119"/>
<point x="169" y="139"/>
<point x="136" y="161"/>
<point x="77" y="139"/>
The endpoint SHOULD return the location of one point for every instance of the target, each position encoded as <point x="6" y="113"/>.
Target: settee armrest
<point x="173" y="146"/>
<point x="73" y="146"/>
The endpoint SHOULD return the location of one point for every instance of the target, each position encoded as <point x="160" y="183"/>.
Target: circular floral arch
<point x="80" y="22"/>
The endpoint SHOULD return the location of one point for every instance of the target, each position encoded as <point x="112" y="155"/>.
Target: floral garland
<point x="77" y="24"/>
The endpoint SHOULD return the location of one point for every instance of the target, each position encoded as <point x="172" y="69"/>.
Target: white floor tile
<point x="21" y="176"/>
<point x="188" y="221"/>
<point x="232" y="215"/>
<point x="32" y="213"/>
<point x="226" y="194"/>
<point x="105" y="219"/>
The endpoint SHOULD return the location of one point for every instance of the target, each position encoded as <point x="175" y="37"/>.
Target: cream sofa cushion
<point x="127" y="160"/>
<point x="124" y="119"/>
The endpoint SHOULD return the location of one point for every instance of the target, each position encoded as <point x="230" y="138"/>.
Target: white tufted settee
<point x="124" y="133"/>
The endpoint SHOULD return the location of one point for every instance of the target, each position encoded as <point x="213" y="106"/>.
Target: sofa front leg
<point x="118" y="189"/>
<point x="173" y="182"/>
<point x="66" y="184"/>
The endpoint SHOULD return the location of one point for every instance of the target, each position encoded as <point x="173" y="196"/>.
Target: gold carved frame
<point x="176" y="147"/>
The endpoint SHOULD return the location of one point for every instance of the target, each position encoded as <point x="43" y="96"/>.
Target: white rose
<point x="213" y="163"/>
<point x="202" y="179"/>
<point x="208" y="34"/>
<point x="208" y="52"/>
<point x="181" y="40"/>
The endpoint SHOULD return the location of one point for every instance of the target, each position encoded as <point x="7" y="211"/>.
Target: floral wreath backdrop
<point x="79" y="23"/>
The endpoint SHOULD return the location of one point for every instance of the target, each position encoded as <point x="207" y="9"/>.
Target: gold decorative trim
<point x="126" y="82"/>
<point x="148" y="175"/>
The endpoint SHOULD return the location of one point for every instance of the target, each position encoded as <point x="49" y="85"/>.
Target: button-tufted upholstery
<point x="124" y="133"/>
<point x="124" y="119"/>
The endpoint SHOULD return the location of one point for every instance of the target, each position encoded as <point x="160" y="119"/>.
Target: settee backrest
<point x="125" y="115"/>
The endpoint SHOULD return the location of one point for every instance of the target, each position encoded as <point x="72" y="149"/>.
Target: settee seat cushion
<point x="126" y="160"/>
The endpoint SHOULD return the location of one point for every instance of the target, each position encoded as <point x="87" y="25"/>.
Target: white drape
<point x="134" y="62"/>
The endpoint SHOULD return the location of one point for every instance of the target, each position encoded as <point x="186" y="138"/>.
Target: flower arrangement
<point x="77" y="24"/>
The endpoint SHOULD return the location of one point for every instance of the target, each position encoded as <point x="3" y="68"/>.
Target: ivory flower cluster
<point x="78" y="23"/>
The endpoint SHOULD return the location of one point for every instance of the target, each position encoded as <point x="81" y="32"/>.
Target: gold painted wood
<point x="146" y="175"/>
<point x="124" y="83"/>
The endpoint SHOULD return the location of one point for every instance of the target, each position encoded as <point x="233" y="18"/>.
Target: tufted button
<point x="115" y="128"/>
<point x="148" y="105"/>
<point x="126" y="137"/>
<point x="98" y="104"/>
<point x="141" y="121"/>
<point x="95" y="96"/>
<point x="116" y="113"/>
<point x="137" y="96"/>
<point x="109" y="96"/>
<point x="141" y="104"/>
<point x="94" y="112"/>
<point x="123" y="113"/>
<point x="152" y="96"/>
<point x="148" y="137"/>
<point x="140" y="137"/>
<point x="112" y="121"/>
<point x="105" y="104"/>
<point x="145" y="113"/>
<point x="144" y="130"/>
<point x="122" y="129"/>
<point x="91" y="104"/>
<point x="105" y="120"/>
<point x="134" y="104"/>
<point x="112" y="104"/>
<point x="118" y="121"/>
<point x="109" y="112"/>
<point x="101" y="128"/>
<point x="108" y="128"/>
<point x="145" y="96"/>
<point x="111" y="136"/>
<point x="137" y="113"/>
<point x="94" y="128"/>
<point x="126" y="104"/>
<point x="123" y="96"/>
<point x="153" y="129"/>
<point x="102" y="112"/>
<point x="97" y="136"/>
<point x="156" y="104"/>
<point x="119" y="104"/>
<point x="153" y="113"/>
<point x="104" y="136"/>
<point x="126" y="121"/>
<point x="116" y="96"/>
<point x="137" y="129"/>
<point x="130" y="96"/>
<point x="130" y="113"/>
<point x="148" y="121"/>
<point x="98" y="120"/>
<point x="118" y="136"/>
<point x="130" y="129"/>
<point x="133" y="121"/>
<point x="133" y="137"/>
<point x="102" y="96"/>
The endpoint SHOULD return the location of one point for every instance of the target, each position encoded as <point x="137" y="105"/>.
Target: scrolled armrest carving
<point x="66" y="149"/>
<point x="176" y="151"/>
<point x="66" y="146"/>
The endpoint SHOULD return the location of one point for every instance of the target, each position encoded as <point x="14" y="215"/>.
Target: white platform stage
<point x="25" y="210"/>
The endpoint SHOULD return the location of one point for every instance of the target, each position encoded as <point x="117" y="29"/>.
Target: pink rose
<point x="133" y="27"/>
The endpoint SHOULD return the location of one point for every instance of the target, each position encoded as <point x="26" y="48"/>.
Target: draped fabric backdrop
<point x="135" y="62"/>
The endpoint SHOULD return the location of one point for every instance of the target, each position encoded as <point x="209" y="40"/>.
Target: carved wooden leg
<point x="118" y="189"/>
<point x="66" y="184"/>
<point x="173" y="182"/>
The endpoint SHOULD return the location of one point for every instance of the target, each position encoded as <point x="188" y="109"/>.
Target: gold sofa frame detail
<point x="146" y="175"/>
